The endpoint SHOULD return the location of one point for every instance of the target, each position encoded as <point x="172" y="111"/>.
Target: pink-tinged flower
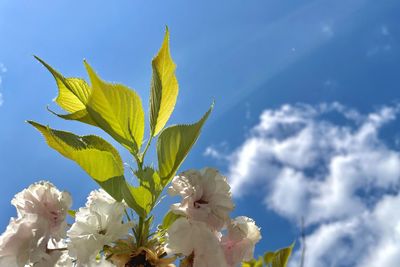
<point x="24" y="241"/>
<point x="195" y="239"/>
<point x="99" y="196"/>
<point x="51" y="259"/>
<point x="97" y="224"/>
<point x="66" y="261"/>
<point x="46" y="201"/>
<point x="205" y="196"/>
<point x="239" y="243"/>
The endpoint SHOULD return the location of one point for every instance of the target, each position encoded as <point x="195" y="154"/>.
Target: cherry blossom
<point x="24" y="241"/>
<point x="46" y="201"/>
<point x="239" y="243"/>
<point x="205" y="196"/>
<point x="96" y="225"/>
<point x="195" y="239"/>
<point x="99" y="195"/>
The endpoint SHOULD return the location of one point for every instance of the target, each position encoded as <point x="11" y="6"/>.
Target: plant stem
<point x="129" y="219"/>
<point x="127" y="215"/>
<point x="137" y="159"/>
<point x="140" y="241"/>
<point x="145" y="149"/>
<point x="140" y="161"/>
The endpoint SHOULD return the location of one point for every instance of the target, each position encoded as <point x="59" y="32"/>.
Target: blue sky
<point x="331" y="155"/>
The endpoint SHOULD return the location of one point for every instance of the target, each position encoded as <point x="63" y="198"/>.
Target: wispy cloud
<point x="382" y="42"/>
<point x="327" y="164"/>
<point x="327" y="30"/>
<point x="3" y="68"/>
<point x="385" y="30"/>
<point x="219" y="152"/>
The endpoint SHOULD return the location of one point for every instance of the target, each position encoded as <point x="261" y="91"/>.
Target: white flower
<point x="64" y="260"/>
<point x="99" y="195"/>
<point x="238" y="245"/>
<point x="51" y="259"/>
<point x="46" y="201"/>
<point x="24" y="241"/>
<point x="186" y="237"/>
<point x="205" y="196"/>
<point x="42" y="210"/>
<point x="100" y="263"/>
<point x="96" y="225"/>
<point x="67" y="261"/>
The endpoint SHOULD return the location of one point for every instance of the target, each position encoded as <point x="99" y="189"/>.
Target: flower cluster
<point x="39" y="236"/>
<point x="204" y="232"/>
<point x="202" y="235"/>
<point x="34" y="236"/>
<point x="98" y="224"/>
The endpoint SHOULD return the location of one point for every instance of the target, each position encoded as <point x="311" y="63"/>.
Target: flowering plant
<point x="115" y="227"/>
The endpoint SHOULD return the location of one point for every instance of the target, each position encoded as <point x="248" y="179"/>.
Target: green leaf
<point x="164" y="88"/>
<point x="173" y="145"/>
<point x="278" y="258"/>
<point x="253" y="263"/>
<point x="72" y="213"/>
<point x="269" y="257"/>
<point x="113" y="186"/>
<point x="117" y="110"/>
<point x="113" y="107"/>
<point x="143" y="198"/>
<point x="97" y="157"/>
<point x="169" y="219"/>
<point x="80" y="115"/>
<point x="150" y="179"/>
<point x="138" y="198"/>
<point x="73" y="95"/>
<point x="147" y="226"/>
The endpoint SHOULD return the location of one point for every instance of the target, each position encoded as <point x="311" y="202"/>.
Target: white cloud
<point x="214" y="153"/>
<point x="329" y="165"/>
<point x="218" y="152"/>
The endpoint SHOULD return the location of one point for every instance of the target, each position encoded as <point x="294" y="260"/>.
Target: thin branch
<point x="303" y="239"/>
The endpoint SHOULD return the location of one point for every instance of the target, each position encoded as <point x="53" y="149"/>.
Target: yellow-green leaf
<point x="150" y="179"/>
<point x="71" y="213"/>
<point x="138" y="198"/>
<point x="164" y="87"/>
<point x="143" y="198"/>
<point x="113" y="187"/>
<point x="97" y="157"/>
<point x="117" y="110"/>
<point x="169" y="219"/>
<point x="278" y="258"/>
<point x="253" y="263"/>
<point x="173" y="145"/>
<point x="73" y="95"/>
<point x="80" y="115"/>
<point x="269" y="257"/>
